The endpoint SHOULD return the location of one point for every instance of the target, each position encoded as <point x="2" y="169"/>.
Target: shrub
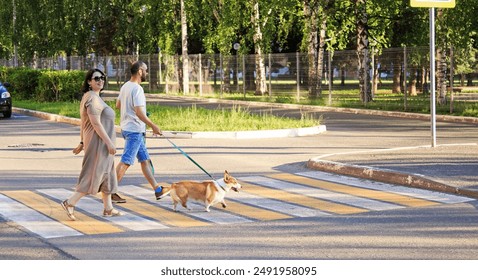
<point x="59" y="85"/>
<point x="24" y="81"/>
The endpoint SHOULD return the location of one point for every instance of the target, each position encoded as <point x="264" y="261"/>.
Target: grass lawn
<point x="187" y="119"/>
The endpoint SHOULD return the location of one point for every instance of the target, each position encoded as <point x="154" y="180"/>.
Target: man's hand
<point x="156" y="130"/>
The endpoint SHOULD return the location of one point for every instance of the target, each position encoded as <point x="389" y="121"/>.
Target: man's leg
<point x="148" y="173"/>
<point x="127" y="159"/>
<point x="159" y="191"/>
<point x="120" y="171"/>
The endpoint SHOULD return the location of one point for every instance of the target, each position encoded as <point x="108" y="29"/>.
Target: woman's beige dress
<point x="98" y="172"/>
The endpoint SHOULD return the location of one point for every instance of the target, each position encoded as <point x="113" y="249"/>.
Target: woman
<point x="98" y="139"/>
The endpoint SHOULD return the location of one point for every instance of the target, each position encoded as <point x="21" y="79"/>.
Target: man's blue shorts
<point x="134" y="147"/>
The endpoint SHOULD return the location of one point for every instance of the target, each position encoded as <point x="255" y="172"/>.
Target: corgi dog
<point x="208" y="192"/>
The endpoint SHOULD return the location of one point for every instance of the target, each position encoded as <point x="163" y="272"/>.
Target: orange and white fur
<point x="208" y="192"/>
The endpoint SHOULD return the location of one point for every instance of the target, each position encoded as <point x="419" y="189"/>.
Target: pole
<point x="200" y="75"/>
<point x="298" y="76"/>
<point x="330" y="77"/>
<point x="244" y="75"/>
<point x="432" y="76"/>
<point x="452" y="74"/>
<point x="373" y="73"/>
<point x="405" y="77"/>
<point x="270" y="76"/>
<point x="15" y="51"/>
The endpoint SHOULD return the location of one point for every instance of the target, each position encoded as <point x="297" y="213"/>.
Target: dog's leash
<point x="193" y="161"/>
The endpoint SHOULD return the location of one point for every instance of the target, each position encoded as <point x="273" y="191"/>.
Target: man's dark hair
<point x="136" y="66"/>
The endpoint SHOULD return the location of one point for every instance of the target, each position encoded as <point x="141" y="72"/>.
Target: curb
<point x="251" y="134"/>
<point x="395" y="114"/>
<point x="387" y="176"/>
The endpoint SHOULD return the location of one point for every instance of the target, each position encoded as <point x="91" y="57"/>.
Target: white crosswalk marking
<point x="363" y="183"/>
<point x="322" y="194"/>
<point x="277" y="206"/>
<point x="289" y="198"/>
<point x="95" y="207"/>
<point x="198" y="211"/>
<point x="33" y="220"/>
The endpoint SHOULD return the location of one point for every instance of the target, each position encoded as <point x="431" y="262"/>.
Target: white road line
<point x="33" y="220"/>
<point x="277" y="206"/>
<point x="95" y="207"/>
<point x="364" y="183"/>
<point x="322" y="194"/>
<point x="215" y="216"/>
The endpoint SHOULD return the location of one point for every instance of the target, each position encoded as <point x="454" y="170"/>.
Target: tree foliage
<point x="110" y="27"/>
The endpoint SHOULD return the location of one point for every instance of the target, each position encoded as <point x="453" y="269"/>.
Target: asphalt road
<point x="36" y="154"/>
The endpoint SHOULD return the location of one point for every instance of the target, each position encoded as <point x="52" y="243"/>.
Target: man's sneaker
<point x="161" y="192"/>
<point x="115" y="198"/>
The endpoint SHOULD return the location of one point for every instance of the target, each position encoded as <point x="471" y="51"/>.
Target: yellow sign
<point x="433" y="3"/>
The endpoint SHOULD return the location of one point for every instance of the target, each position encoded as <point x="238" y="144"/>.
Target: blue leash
<point x="192" y="160"/>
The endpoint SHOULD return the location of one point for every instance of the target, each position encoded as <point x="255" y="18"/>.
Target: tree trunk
<point x="226" y="67"/>
<point x="184" y="47"/>
<point x="441" y="76"/>
<point x="310" y="14"/>
<point x="362" y="50"/>
<point x="261" y="87"/>
<point x="320" y="63"/>
<point x="413" y="83"/>
<point x="397" y="74"/>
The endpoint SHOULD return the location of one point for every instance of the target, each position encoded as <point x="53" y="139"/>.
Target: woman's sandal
<point x="70" y="209"/>
<point x="112" y="213"/>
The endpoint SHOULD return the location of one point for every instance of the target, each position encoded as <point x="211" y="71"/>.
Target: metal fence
<point x="286" y="73"/>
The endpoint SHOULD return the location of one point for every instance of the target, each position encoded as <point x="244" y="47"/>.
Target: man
<point x="132" y="105"/>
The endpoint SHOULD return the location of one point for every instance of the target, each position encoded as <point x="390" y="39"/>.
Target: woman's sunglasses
<point x="98" y="78"/>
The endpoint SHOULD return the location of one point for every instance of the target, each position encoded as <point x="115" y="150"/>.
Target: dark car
<point x="5" y="101"/>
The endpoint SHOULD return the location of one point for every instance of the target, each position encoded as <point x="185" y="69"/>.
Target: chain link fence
<point x="286" y="74"/>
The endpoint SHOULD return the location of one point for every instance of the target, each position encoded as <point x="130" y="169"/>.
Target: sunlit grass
<point x="189" y="118"/>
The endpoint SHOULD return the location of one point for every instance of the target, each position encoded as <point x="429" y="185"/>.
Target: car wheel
<point x="7" y="114"/>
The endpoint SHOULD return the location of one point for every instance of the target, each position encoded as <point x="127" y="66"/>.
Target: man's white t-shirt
<point x="132" y="95"/>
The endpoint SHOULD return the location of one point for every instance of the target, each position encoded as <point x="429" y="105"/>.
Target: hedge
<point x="43" y="85"/>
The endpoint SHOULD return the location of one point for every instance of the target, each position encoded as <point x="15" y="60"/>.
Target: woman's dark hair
<point x="86" y="87"/>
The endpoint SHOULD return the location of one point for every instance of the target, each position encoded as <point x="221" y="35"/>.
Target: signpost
<point x="432" y="4"/>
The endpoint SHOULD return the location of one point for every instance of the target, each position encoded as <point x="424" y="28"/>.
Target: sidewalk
<point x="445" y="168"/>
<point x="355" y="144"/>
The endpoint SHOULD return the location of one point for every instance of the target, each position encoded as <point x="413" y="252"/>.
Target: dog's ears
<point x="226" y="175"/>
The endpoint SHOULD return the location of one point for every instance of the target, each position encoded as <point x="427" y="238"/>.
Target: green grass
<point x="383" y="100"/>
<point x="188" y="118"/>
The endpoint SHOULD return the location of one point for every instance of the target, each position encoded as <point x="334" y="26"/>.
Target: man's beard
<point x="143" y="78"/>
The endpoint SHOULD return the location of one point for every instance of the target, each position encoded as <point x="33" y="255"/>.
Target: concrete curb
<point x="395" y="114"/>
<point x="253" y="134"/>
<point x="387" y="176"/>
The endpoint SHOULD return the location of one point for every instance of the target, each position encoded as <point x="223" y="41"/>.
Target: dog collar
<point x="218" y="184"/>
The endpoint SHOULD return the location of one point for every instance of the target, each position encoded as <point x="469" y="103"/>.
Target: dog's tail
<point x="173" y="193"/>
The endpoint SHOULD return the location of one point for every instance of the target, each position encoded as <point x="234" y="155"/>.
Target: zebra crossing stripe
<point x="95" y="207"/>
<point x="239" y="208"/>
<point x="33" y="220"/>
<point x="278" y="206"/>
<point x="250" y="211"/>
<point x="164" y="216"/>
<point x="314" y="203"/>
<point x="360" y="192"/>
<point x="415" y="192"/>
<point x="324" y="194"/>
<point x="84" y="224"/>
<point x="217" y="217"/>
